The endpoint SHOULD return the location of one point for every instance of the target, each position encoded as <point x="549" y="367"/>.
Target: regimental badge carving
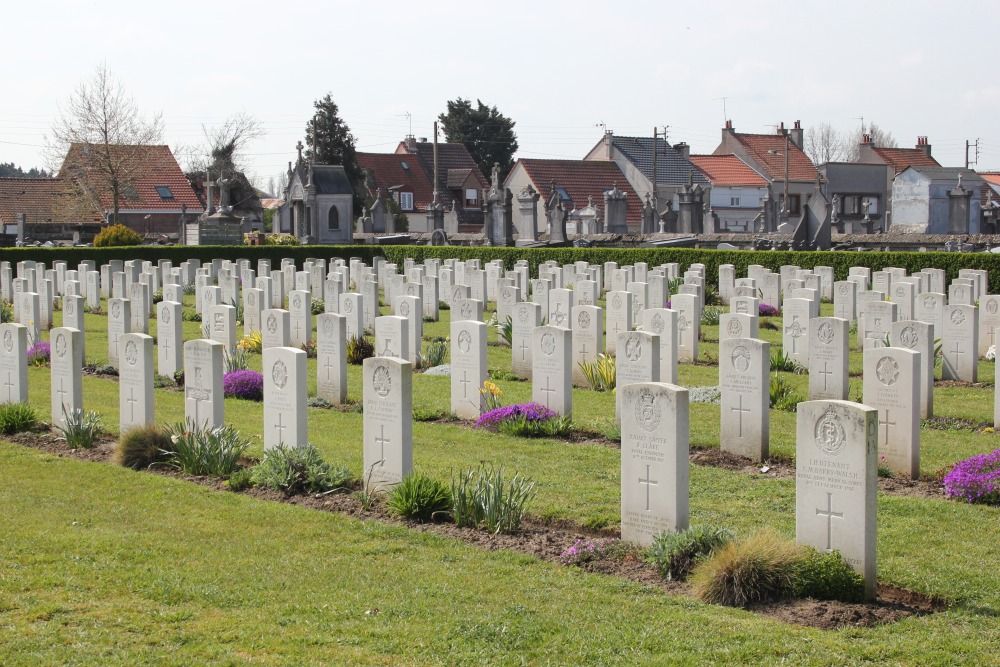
<point x="197" y="390"/>
<point x="27" y="304"/>
<point x="404" y="308"/>
<point x="741" y="358"/>
<point x="992" y="307"/>
<point x="682" y="322"/>
<point x="296" y="301"/>
<point x="272" y="324"/>
<point x="900" y="292"/>
<point x="742" y="308"/>
<point x="381" y="381"/>
<point x="522" y="315"/>
<point x="8" y="340"/>
<point x="887" y="371"/>
<point x="735" y="328"/>
<point x="69" y="307"/>
<point x="929" y="302"/>
<point x="116" y="309"/>
<point x="633" y="348"/>
<point x="583" y="320"/>
<point x="464" y="340"/>
<point x="842" y="289"/>
<point x="829" y="433"/>
<point x="466" y="311"/>
<point x="165" y="315"/>
<point x="548" y="343"/>
<point x="825" y="333"/>
<point x="279" y="374"/>
<point x="131" y="353"/>
<point x="506" y="294"/>
<point x="60" y="345"/>
<point x="616" y="302"/>
<point x="251" y="299"/>
<point x="908" y="337"/>
<point x="960" y="292"/>
<point x="957" y="316"/>
<point x="328" y="326"/>
<point x="647" y="412"/>
<point x="220" y="322"/>
<point x="656" y="324"/>
<point x="348" y="306"/>
<point x="558" y="317"/>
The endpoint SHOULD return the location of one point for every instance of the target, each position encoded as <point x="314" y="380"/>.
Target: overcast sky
<point x="559" y="69"/>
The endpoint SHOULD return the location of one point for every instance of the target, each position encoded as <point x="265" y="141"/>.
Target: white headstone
<point x="13" y="363"/>
<point x="551" y="382"/>
<point x="277" y="328"/>
<point x="527" y="316"/>
<point x="891" y="386"/>
<point x="468" y="367"/>
<point x="66" y="360"/>
<point x="588" y="339"/>
<point x="637" y="361"/>
<point x="135" y="381"/>
<point x="744" y="367"/>
<point x="388" y="421"/>
<point x="919" y="337"/>
<point x="829" y="346"/>
<point x="169" y="338"/>
<point x="284" y="370"/>
<point x="203" y="383"/>
<point x="959" y="342"/>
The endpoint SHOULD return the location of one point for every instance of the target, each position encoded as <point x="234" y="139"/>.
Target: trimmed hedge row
<point x="841" y="261"/>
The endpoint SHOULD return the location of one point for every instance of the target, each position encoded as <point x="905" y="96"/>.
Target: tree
<point x="334" y="144"/>
<point x="881" y="138"/>
<point x="824" y="143"/>
<point x="102" y="119"/>
<point x="485" y="132"/>
<point x="11" y="170"/>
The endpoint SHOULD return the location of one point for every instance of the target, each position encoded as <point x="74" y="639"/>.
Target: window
<point x="734" y="201"/>
<point x="333" y="219"/>
<point x="471" y="198"/>
<point x="406" y="201"/>
<point x="164" y="192"/>
<point x="794" y="205"/>
<point x="129" y="192"/>
<point x="404" y="165"/>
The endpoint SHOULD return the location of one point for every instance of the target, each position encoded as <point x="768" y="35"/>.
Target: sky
<point x="563" y="71"/>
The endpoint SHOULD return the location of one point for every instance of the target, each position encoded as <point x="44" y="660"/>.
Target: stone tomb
<point x="744" y="366"/>
<point x="551" y="358"/>
<point x="588" y="339"/>
<point x="135" y="381"/>
<point x="836" y="481"/>
<point x="331" y="357"/>
<point x="891" y="386"/>
<point x="829" y="346"/>
<point x="13" y="363"/>
<point x="285" y="397"/>
<point x="637" y="361"/>
<point x="655" y="486"/>
<point x="203" y="391"/>
<point x="388" y="421"/>
<point x="468" y="367"/>
<point x="66" y="361"/>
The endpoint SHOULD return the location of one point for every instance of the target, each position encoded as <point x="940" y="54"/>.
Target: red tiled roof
<point x="901" y="158"/>
<point x="583" y="179"/>
<point x="147" y="167"/>
<point x="389" y="172"/>
<point x="768" y="152"/>
<point x="726" y="170"/>
<point x="41" y="200"/>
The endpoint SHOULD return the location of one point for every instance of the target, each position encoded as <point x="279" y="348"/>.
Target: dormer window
<point x="471" y="198"/>
<point x="406" y="201"/>
<point x="164" y="192"/>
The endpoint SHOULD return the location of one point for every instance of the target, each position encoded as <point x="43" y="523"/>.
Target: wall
<point x="345" y="207"/>
<point x="910" y="204"/>
<point x="736" y="218"/>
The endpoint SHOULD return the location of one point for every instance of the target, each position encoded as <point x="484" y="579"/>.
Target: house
<point x="736" y="190"/>
<point x="402" y="178"/>
<point x="937" y="200"/>
<point x="51" y="208"/>
<point x="780" y="159"/>
<point x="153" y="189"/>
<point x="580" y="184"/>
<point x="637" y="159"/>
<point x="319" y="204"/>
<point x="856" y="190"/>
<point x="460" y="182"/>
<point x="896" y="159"/>
<point x="990" y="202"/>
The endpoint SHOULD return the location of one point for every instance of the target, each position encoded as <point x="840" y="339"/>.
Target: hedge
<point x="841" y="261"/>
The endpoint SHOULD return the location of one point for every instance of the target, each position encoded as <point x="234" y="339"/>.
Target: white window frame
<point x="406" y="201"/>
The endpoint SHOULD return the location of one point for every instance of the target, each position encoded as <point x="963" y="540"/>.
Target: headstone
<point x="527" y="317"/>
<point x="140" y="300"/>
<point x="845" y="299"/>
<point x="169" y="338"/>
<point x="878" y="317"/>
<point x="300" y="316"/>
<point x="351" y="307"/>
<point x="253" y="306"/>
<point x="13" y="363"/>
<point x="836" y="482"/>
<point x="467" y="309"/>
<point x="637" y="361"/>
<point x="663" y="323"/>
<point x="829" y="346"/>
<point x="655" y="468"/>
<point x="737" y="325"/>
<point x="744" y="367"/>
<point x="688" y="326"/>
<point x="119" y="324"/>
<point x="203" y="386"/>
<point x="285" y="423"/>
<point x="73" y="312"/>
<point x="219" y="323"/>
<point x="892" y="386"/>
<point x="29" y="315"/>
<point x="411" y="308"/>
<point x="919" y="337"/>
<point x="392" y="336"/>
<point x="551" y="381"/>
<point x="388" y="421"/>
<point x="959" y="342"/>
<point x="468" y="367"/>
<point x="588" y="339"/>
<point x="989" y="320"/>
<point x="135" y="381"/>
<point x="277" y="328"/>
<point x="619" y="314"/>
<point x="560" y="303"/>
<point x="66" y="361"/>
<point x="331" y="359"/>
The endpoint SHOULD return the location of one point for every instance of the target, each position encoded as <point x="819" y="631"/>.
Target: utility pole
<point x="655" y="151"/>
<point x="788" y="208"/>
<point x="435" y="163"/>
<point x="968" y="145"/>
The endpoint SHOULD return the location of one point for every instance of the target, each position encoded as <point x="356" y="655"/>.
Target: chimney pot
<point x="729" y="124"/>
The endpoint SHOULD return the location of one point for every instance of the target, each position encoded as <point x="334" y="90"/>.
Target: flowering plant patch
<point x="248" y="385"/>
<point x="767" y="310"/>
<point x="39" y="353"/>
<point x="976" y="479"/>
<point x="584" y="551"/>
<point x="492" y="394"/>
<point x="524" y="419"/>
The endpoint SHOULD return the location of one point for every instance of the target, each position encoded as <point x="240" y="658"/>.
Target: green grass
<point x="122" y="567"/>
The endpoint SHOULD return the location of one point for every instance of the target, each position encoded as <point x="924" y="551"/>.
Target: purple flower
<point x="39" y="353"/>
<point x="585" y="550"/>
<point x="247" y="385"/>
<point x="528" y="411"/>
<point x="767" y="310"/>
<point x="976" y="479"/>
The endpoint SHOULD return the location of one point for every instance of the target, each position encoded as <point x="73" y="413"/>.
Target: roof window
<point x="164" y="192"/>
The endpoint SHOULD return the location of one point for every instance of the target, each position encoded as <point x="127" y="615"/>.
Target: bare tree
<point x="881" y="138"/>
<point x="225" y="146"/>
<point x="104" y="133"/>
<point x="824" y="143"/>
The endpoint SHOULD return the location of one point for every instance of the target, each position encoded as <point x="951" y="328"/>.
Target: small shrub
<point x="525" y="420"/>
<point x="482" y="498"/>
<point x="190" y="316"/>
<point x="975" y="479"/>
<point x="760" y="568"/>
<point x="783" y="362"/>
<point x="309" y="348"/>
<point x="675" y="554"/>
<point x="318" y="307"/>
<point x="317" y="402"/>
<point x="237" y="360"/>
<point x="827" y="576"/>
<point x="162" y="382"/>
<point x="190" y="289"/>
<point x="766" y="310"/>
<point x="782" y="396"/>
<point x="80" y="430"/>
<point x="16" y="418"/>
<point x="117" y="235"/>
<point x="252" y="343"/>
<point x="292" y="469"/>
<point x="586" y="551"/>
<point x="248" y="385"/>
<point x="39" y="354"/>
<point x="498" y="375"/>
<point x="240" y="480"/>
<point x="507" y="331"/>
<point x="238" y="305"/>
<point x="179" y="378"/>
<point x="435" y="354"/>
<point x="142" y="446"/>
<point x="6" y="312"/>
<point x="196" y="450"/>
<point x="280" y="239"/>
<point x="602" y="373"/>
<point x="157" y="296"/>
<point x="359" y="348"/>
<point x="420" y="498"/>
<point x="428" y="414"/>
<point x="711" y="315"/>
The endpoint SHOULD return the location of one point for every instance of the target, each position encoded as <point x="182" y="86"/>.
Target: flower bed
<point x="766" y="310"/>
<point x="524" y="419"/>
<point x="976" y="479"/>
<point x="248" y="385"/>
<point x="39" y="353"/>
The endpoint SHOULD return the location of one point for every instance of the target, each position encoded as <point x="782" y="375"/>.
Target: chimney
<point x="781" y="129"/>
<point x="684" y="150"/>
<point x="411" y="143"/>
<point x="798" y="134"/>
<point x="924" y="146"/>
<point x="728" y="129"/>
<point x="866" y="138"/>
<point x="608" y="134"/>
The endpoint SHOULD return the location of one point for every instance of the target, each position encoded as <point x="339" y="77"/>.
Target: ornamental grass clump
<point x="525" y="420"/>
<point x="420" y="498"/>
<point x="80" y="430"/>
<point x="142" y="446"/>
<point x="483" y="498"/>
<point x="760" y="568"/>
<point x="675" y="554"/>
<point x="602" y="373"/>
<point x="359" y="348"/>
<point x="16" y="418"/>
<point x="195" y="450"/>
<point x="248" y="385"/>
<point x="291" y="469"/>
<point x="39" y="354"/>
<point x="976" y="479"/>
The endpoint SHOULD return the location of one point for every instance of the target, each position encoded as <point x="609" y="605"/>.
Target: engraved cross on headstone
<point x="328" y="366"/>
<point x="547" y="390"/>
<point x="524" y="346"/>
<point x="740" y="409"/>
<point x="10" y="388"/>
<point x="887" y="424"/>
<point x="465" y="384"/>
<point x="825" y="373"/>
<point x="131" y="400"/>
<point x="381" y="441"/>
<point x="830" y="516"/>
<point x="281" y="430"/>
<point x="62" y="392"/>
<point x="648" y="482"/>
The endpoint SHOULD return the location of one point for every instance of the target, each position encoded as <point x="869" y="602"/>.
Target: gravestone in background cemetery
<point x="29" y="315"/>
<point x="203" y="383"/>
<point x="410" y="308"/>
<point x="551" y="381"/>
<point x="468" y="368"/>
<point x="989" y="320"/>
<point x="637" y="361"/>
<point x="388" y="421"/>
<point x="169" y="338"/>
<point x="919" y="337"/>
<point x="119" y="323"/>
<point x="829" y="348"/>
<point x="663" y="323"/>
<point x="959" y="343"/>
<point x="13" y="363"/>
<point x="619" y="314"/>
<point x="527" y="316"/>
<point x="219" y="323"/>
<point x="331" y="359"/>
<point x="66" y="361"/>
<point x="300" y="317"/>
<point x="276" y="331"/>
<point x="891" y="386"/>
<point x="135" y="381"/>
<point x="284" y="370"/>
<point x="836" y="475"/>
<point x="351" y="308"/>
<point x="588" y="339"/>
<point x="655" y="437"/>
<point x="391" y="336"/>
<point x="744" y="368"/>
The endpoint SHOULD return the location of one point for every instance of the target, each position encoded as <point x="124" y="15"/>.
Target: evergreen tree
<point x="335" y="145"/>
<point x="486" y="133"/>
